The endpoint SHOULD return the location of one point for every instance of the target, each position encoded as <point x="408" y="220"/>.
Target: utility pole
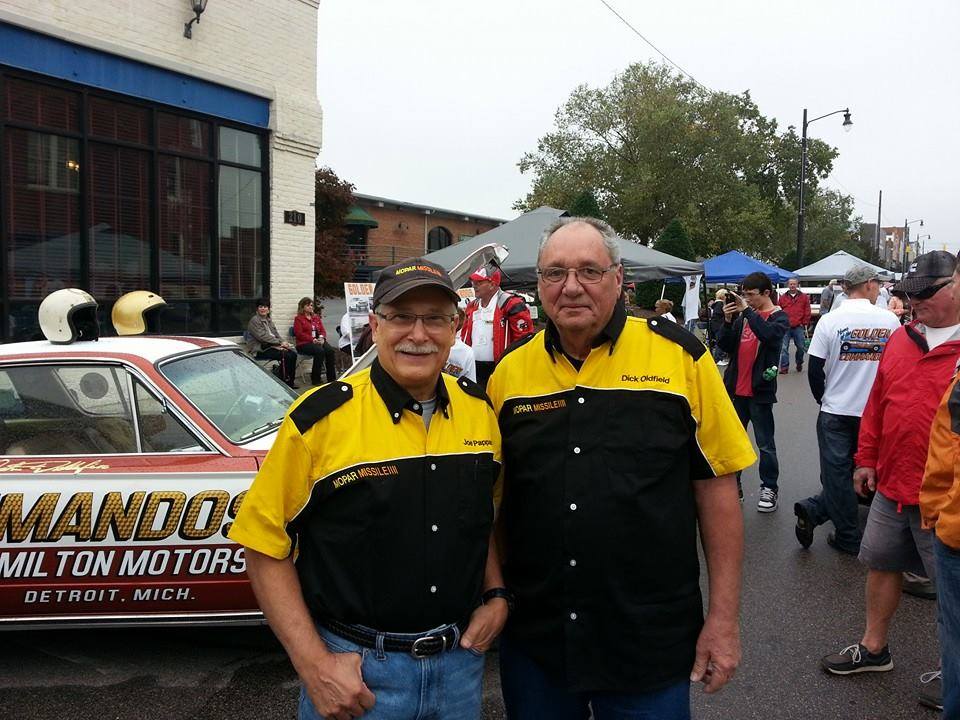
<point x="876" y="234"/>
<point x="803" y="178"/>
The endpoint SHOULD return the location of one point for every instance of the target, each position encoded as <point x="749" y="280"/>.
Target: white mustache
<point x="414" y="349"/>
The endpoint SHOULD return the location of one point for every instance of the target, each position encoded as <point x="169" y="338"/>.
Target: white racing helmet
<point x="69" y="315"/>
<point x="137" y="312"/>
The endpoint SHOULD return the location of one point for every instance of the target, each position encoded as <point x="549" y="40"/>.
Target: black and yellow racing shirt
<point x="598" y="516"/>
<point x="388" y="522"/>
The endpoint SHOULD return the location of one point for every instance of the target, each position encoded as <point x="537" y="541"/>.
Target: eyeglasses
<point x="585" y="275"/>
<point x="929" y="292"/>
<point x="406" y="321"/>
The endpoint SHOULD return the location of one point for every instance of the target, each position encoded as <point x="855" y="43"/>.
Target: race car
<point x="123" y="461"/>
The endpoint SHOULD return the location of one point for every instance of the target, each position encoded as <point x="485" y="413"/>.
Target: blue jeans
<point x="761" y="415"/>
<point x="797" y="333"/>
<point x="529" y="694"/>
<point x="445" y="686"/>
<point x="948" y="601"/>
<point x="837" y="502"/>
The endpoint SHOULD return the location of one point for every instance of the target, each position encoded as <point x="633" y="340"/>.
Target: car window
<point x="160" y="431"/>
<point x="232" y="391"/>
<point x="66" y="410"/>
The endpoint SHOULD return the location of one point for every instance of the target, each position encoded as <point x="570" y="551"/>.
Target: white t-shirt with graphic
<point x="851" y="340"/>
<point x="460" y="362"/>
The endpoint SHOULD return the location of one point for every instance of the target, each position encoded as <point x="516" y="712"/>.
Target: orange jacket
<point x="940" y="492"/>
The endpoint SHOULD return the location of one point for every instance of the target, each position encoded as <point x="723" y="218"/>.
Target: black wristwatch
<point x="498" y="592"/>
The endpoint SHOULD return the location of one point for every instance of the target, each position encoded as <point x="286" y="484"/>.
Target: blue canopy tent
<point x="733" y="266"/>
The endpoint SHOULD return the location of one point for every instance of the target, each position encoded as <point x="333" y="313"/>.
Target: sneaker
<point x="804" y="529"/>
<point x="931" y="696"/>
<point x="832" y="542"/>
<point x="784" y="371"/>
<point x="857" y="659"/>
<point x="723" y="363"/>
<point x="799" y="367"/>
<point x="768" y="500"/>
<point x="919" y="586"/>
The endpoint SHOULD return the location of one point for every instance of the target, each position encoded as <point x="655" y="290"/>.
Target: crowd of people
<point x="514" y="506"/>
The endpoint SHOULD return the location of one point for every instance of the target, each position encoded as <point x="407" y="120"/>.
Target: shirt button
<point x="433" y="588"/>
<point x="396" y="415"/>
<point x="344" y="388"/>
<point x="434" y="528"/>
<point x="433" y="466"/>
<point x="416" y="407"/>
<point x="573" y="563"/>
<point x="573" y="506"/>
<point x="580" y="400"/>
<point x="576" y="451"/>
<point x="573" y="616"/>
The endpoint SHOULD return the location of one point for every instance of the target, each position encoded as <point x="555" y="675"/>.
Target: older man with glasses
<point x="368" y="527"/>
<point x="914" y="372"/>
<point x="619" y="443"/>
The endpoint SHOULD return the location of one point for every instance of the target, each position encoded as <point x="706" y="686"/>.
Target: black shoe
<point x="832" y="542"/>
<point x="804" y="529"/>
<point x="919" y="586"/>
<point x="857" y="659"/>
<point x="799" y="367"/>
<point x="931" y="695"/>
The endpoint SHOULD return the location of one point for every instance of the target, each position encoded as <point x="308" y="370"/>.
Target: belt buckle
<point x="416" y="652"/>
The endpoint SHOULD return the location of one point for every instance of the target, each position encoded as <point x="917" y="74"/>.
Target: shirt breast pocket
<point x="475" y="479"/>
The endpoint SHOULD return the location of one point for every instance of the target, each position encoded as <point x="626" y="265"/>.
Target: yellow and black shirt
<point x="599" y="518"/>
<point x="388" y="521"/>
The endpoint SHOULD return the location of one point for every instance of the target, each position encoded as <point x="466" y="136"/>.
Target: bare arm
<point x="488" y="620"/>
<point x="721" y="533"/>
<point x="332" y="680"/>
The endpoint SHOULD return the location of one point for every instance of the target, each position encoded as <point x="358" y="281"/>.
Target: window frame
<point x="218" y="316"/>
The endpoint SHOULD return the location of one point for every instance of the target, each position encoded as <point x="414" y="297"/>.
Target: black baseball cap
<point x="397" y="279"/>
<point x="925" y="271"/>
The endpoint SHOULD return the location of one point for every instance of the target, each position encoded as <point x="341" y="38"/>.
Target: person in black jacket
<point x="752" y="333"/>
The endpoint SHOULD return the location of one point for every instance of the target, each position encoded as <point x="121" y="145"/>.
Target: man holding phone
<point x="752" y="333"/>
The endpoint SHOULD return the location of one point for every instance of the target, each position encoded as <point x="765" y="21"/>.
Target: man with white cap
<point x="494" y="320"/>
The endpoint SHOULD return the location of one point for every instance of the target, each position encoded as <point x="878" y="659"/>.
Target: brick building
<point x="385" y="231"/>
<point x="136" y="154"/>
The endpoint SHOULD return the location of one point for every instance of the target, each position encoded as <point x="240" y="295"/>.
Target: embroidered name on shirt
<point x="540" y="406"/>
<point x="645" y="378"/>
<point x="365" y="472"/>
<point x="477" y="443"/>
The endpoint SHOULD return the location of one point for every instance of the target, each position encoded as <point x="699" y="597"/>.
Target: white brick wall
<point x="266" y="47"/>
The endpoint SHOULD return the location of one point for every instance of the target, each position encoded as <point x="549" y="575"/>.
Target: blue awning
<point x="734" y="266"/>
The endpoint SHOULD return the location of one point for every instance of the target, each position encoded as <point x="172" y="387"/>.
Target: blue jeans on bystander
<point x="837" y="502"/>
<point x="529" y="694"/>
<point x="445" y="686"/>
<point x="799" y="339"/>
<point x="761" y="415"/>
<point x="948" y="600"/>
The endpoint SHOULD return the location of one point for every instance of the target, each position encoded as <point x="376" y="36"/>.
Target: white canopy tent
<point x="834" y="266"/>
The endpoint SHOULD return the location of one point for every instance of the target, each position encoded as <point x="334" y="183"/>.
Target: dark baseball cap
<point x="925" y="271"/>
<point x="397" y="279"/>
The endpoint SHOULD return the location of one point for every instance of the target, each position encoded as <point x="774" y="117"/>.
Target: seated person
<point x="265" y="343"/>
<point x="311" y="338"/>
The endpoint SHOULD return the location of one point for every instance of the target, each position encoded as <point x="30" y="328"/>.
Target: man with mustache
<point x="368" y="528"/>
<point x="619" y="443"/>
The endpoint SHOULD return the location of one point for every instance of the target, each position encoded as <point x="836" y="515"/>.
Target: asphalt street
<point x="797" y="606"/>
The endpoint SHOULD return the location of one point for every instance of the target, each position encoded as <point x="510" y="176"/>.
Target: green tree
<point x="585" y="205"/>
<point x="655" y="146"/>
<point x="675" y="241"/>
<point x="332" y="266"/>
<point x="830" y="226"/>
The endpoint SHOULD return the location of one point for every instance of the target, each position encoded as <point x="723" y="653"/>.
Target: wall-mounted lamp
<point x="73" y="165"/>
<point x="197" y="6"/>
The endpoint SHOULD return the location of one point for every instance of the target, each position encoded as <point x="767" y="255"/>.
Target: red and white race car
<point x="122" y="464"/>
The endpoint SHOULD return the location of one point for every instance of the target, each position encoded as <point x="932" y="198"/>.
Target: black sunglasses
<point x="929" y="292"/>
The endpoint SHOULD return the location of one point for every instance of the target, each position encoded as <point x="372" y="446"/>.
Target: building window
<point x="111" y="194"/>
<point x="438" y="238"/>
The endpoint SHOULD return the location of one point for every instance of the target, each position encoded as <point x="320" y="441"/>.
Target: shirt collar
<point x="397" y="399"/>
<point x="610" y="332"/>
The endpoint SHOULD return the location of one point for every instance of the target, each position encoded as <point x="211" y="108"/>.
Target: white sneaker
<point x="768" y="500"/>
<point x="722" y="363"/>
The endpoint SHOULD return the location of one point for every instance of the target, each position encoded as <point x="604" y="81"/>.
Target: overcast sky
<point x="435" y="101"/>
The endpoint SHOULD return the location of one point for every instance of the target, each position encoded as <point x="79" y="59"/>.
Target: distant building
<point x="135" y="157"/>
<point x="384" y="231"/>
<point x="889" y="244"/>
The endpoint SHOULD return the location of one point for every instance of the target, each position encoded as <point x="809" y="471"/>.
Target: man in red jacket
<point x="796" y="305"/>
<point x="493" y="321"/>
<point x="917" y="366"/>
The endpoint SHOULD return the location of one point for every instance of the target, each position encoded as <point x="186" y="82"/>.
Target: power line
<point x="655" y="48"/>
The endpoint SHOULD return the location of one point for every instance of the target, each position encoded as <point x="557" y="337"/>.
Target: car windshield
<point x="232" y="391"/>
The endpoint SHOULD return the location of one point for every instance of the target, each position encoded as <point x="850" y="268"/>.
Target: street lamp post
<point x="847" y="125"/>
<point x="903" y="245"/>
<point x="918" y="244"/>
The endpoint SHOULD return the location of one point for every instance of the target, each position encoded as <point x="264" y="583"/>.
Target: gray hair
<point x="610" y="240"/>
